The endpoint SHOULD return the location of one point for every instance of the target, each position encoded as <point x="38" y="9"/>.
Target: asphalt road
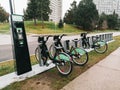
<point x="6" y="51"/>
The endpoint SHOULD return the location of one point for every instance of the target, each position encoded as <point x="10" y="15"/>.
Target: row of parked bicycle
<point x="64" y="55"/>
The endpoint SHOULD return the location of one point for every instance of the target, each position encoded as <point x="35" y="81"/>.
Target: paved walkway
<point x="105" y="75"/>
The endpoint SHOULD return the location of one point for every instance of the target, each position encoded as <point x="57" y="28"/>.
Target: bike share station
<point x="21" y="52"/>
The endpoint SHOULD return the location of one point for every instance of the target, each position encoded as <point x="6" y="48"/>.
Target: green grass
<point x="4" y="28"/>
<point x="58" y="81"/>
<point x="8" y="67"/>
<point x="49" y="28"/>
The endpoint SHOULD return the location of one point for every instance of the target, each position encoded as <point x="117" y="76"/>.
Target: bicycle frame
<point x="86" y="43"/>
<point x="60" y="59"/>
<point x="75" y="53"/>
<point x="57" y="40"/>
<point x="99" y="45"/>
<point x="45" y="53"/>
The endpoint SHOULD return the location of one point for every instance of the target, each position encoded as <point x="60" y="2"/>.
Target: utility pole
<point x="14" y="5"/>
<point x="11" y="9"/>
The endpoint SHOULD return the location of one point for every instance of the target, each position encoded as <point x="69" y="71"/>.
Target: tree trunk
<point x="42" y="21"/>
<point x="35" y="22"/>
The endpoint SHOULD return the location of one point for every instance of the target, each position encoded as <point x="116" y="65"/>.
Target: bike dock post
<point x="100" y="37"/>
<point x="91" y="41"/>
<point x="80" y="43"/>
<point x="103" y="37"/>
<point x="111" y="36"/>
<point x="67" y="45"/>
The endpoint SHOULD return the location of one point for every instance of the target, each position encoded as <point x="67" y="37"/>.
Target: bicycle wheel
<point x="65" y="65"/>
<point x="52" y="50"/>
<point x="37" y="54"/>
<point x="101" y="47"/>
<point x="41" y="59"/>
<point x="80" y="56"/>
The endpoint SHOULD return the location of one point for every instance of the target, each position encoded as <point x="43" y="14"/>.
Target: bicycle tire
<point x="41" y="59"/>
<point x="52" y="50"/>
<point x="102" y="47"/>
<point x="37" y="54"/>
<point x="66" y="63"/>
<point x="80" y="56"/>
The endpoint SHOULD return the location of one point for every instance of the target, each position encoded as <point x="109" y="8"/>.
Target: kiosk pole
<point x="11" y="9"/>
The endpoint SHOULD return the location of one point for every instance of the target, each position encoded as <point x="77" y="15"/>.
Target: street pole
<point x="14" y="5"/>
<point x="11" y="9"/>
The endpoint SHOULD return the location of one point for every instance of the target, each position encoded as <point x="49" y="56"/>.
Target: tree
<point x="31" y="11"/>
<point x="60" y="24"/>
<point x="38" y="9"/>
<point x="102" y="22"/>
<point x="70" y="14"/>
<point x="3" y="15"/>
<point x="43" y="10"/>
<point x="86" y="14"/>
<point x="112" y="20"/>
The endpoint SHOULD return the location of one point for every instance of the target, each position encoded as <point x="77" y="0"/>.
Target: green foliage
<point x="112" y="20"/>
<point x="102" y="18"/>
<point x="86" y="14"/>
<point x="43" y="9"/>
<point x="37" y="9"/>
<point x="60" y="24"/>
<point x="31" y="11"/>
<point x="70" y="14"/>
<point x="3" y="15"/>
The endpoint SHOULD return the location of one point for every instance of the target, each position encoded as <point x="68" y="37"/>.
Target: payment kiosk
<point x="20" y="46"/>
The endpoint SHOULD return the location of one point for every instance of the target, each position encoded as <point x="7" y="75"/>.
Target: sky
<point x="22" y="4"/>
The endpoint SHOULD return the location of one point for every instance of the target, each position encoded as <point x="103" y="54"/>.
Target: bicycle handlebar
<point x="84" y="34"/>
<point x="41" y="39"/>
<point x="62" y="35"/>
<point x="59" y="37"/>
<point x="48" y="37"/>
<point x="76" y="40"/>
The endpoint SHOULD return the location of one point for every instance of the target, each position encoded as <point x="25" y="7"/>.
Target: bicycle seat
<point x="83" y="34"/>
<point x="56" y="37"/>
<point x="97" y="36"/>
<point x="67" y="40"/>
<point x="40" y="39"/>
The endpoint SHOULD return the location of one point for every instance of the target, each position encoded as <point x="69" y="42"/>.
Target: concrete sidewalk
<point x="105" y="75"/>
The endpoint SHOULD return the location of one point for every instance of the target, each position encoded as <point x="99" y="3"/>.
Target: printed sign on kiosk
<point x="22" y="60"/>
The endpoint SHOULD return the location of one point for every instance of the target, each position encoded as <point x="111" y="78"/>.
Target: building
<point x="56" y="7"/>
<point x="108" y="6"/>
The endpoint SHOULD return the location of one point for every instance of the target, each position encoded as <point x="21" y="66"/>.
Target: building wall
<point x="56" y="7"/>
<point x="108" y="6"/>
